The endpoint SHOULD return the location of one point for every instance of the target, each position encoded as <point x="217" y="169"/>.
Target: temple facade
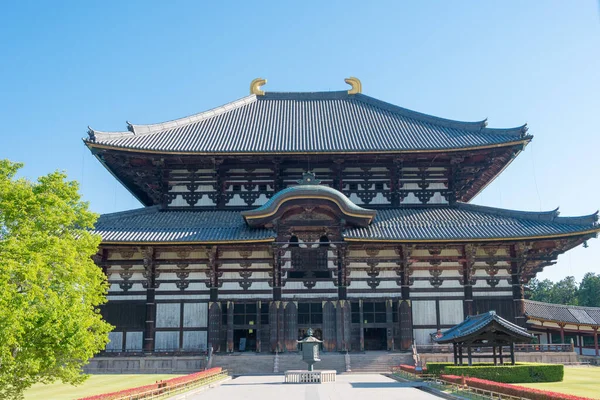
<point x="330" y="210"/>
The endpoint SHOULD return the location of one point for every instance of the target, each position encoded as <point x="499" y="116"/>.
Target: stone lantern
<point x="310" y="349"/>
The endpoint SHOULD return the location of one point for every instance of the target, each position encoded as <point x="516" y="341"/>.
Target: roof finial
<point x="255" y="86"/>
<point x="308" y="178"/>
<point x="91" y="133"/>
<point x="355" y="83"/>
<point x="130" y="127"/>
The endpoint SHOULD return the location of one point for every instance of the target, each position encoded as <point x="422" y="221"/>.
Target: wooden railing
<point x="171" y="390"/>
<point x="523" y="348"/>
<point x="161" y="352"/>
<point x="460" y="390"/>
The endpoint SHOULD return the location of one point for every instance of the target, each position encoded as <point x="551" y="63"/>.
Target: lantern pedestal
<point x="299" y="376"/>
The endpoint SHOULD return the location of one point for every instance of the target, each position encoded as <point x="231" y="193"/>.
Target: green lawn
<point x="95" y="384"/>
<point x="579" y="381"/>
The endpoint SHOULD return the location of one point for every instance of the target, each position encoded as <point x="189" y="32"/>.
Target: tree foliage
<point x="567" y="291"/>
<point x="50" y="288"/>
<point x="589" y="290"/>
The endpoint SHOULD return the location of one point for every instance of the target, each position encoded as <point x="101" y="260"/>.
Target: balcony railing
<point x="522" y="348"/>
<point x="160" y="352"/>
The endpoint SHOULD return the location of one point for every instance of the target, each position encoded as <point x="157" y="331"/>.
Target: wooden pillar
<point x="562" y="333"/>
<point x="596" y="340"/>
<point x="150" y="272"/>
<point x="389" y="319"/>
<point x="501" y="355"/>
<point x="516" y="264"/>
<point x="273" y="321"/>
<point x="460" y="354"/>
<point x="258" y="325"/>
<point x="470" y="356"/>
<point x="404" y="308"/>
<point x="548" y="337"/>
<point x="214" y="325"/>
<point x="395" y="172"/>
<point x="277" y="255"/>
<point x="213" y="272"/>
<point x="342" y="281"/>
<point x="512" y="353"/>
<point x="469" y="256"/>
<point x="455" y="353"/>
<point x="362" y="325"/>
<point x="291" y="326"/>
<point x="342" y="318"/>
<point x="220" y="183"/>
<point x="580" y="341"/>
<point x="281" y="326"/>
<point x="329" y="324"/>
<point x="494" y="352"/>
<point x="230" y="306"/>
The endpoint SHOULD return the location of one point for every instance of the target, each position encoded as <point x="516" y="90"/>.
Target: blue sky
<point x="65" y="65"/>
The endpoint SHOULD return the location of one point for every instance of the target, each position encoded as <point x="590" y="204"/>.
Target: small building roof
<point x="478" y="326"/>
<point x="573" y="315"/>
<point x="459" y="222"/>
<point x="300" y="123"/>
<point x="309" y="189"/>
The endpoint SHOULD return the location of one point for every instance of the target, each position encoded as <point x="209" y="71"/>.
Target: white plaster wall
<point x="422" y="336"/>
<point x="451" y="312"/>
<point x="423" y="312"/>
<point x="194" y="340"/>
<point x="166" y="340"/>
<point x="115" y="341"/>
<point x="195" y="315"/>
<point x="134" y="341"/>
<point x="167" y="315"/>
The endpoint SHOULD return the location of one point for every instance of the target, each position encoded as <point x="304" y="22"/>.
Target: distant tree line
<point x="567" y="291"/>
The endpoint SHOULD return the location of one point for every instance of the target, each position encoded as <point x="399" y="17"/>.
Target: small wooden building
<point x="562" y="324"/>
<point x="486" y="333"/>
<point x="332" y="210"/>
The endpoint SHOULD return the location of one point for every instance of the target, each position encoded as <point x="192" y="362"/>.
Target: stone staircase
<point x="377" y="361"/>
<point x="245" y="363"/>
<point x="263" y="363"/>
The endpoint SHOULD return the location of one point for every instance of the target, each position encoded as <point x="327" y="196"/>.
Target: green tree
<point x="50" y="288"/>
<point x="564" y="292"/>
<point x="541" y="290"/>
<point x="589" y="290"/>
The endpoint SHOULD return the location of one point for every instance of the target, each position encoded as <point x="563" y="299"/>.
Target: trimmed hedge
<point x="512" y="390"/>
<point x="437" y="368"/>
<point x="519" y="373"/>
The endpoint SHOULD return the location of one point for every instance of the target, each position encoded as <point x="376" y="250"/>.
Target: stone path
<point x="347" y="387"/>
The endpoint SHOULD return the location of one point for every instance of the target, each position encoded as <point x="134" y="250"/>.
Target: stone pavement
<point x="347" y="387"/>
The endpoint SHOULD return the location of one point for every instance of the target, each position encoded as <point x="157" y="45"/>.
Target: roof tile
<point x="307" y="122"/>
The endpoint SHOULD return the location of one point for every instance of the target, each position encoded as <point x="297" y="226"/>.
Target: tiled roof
<point x="467" y="221"/>
<point x="458" y="222"/>
<point x="152" y="225"/>
<point x="474" y="324"/>
<point x="561" y="313"/>
<point x="323" y="122"/>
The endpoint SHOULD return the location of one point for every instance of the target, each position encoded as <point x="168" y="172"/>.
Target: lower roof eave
<point x="594" y="231"/>
<point x="180" y="243"/>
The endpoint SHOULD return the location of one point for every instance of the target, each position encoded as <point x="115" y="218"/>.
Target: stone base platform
<point x="299" y="376"/>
